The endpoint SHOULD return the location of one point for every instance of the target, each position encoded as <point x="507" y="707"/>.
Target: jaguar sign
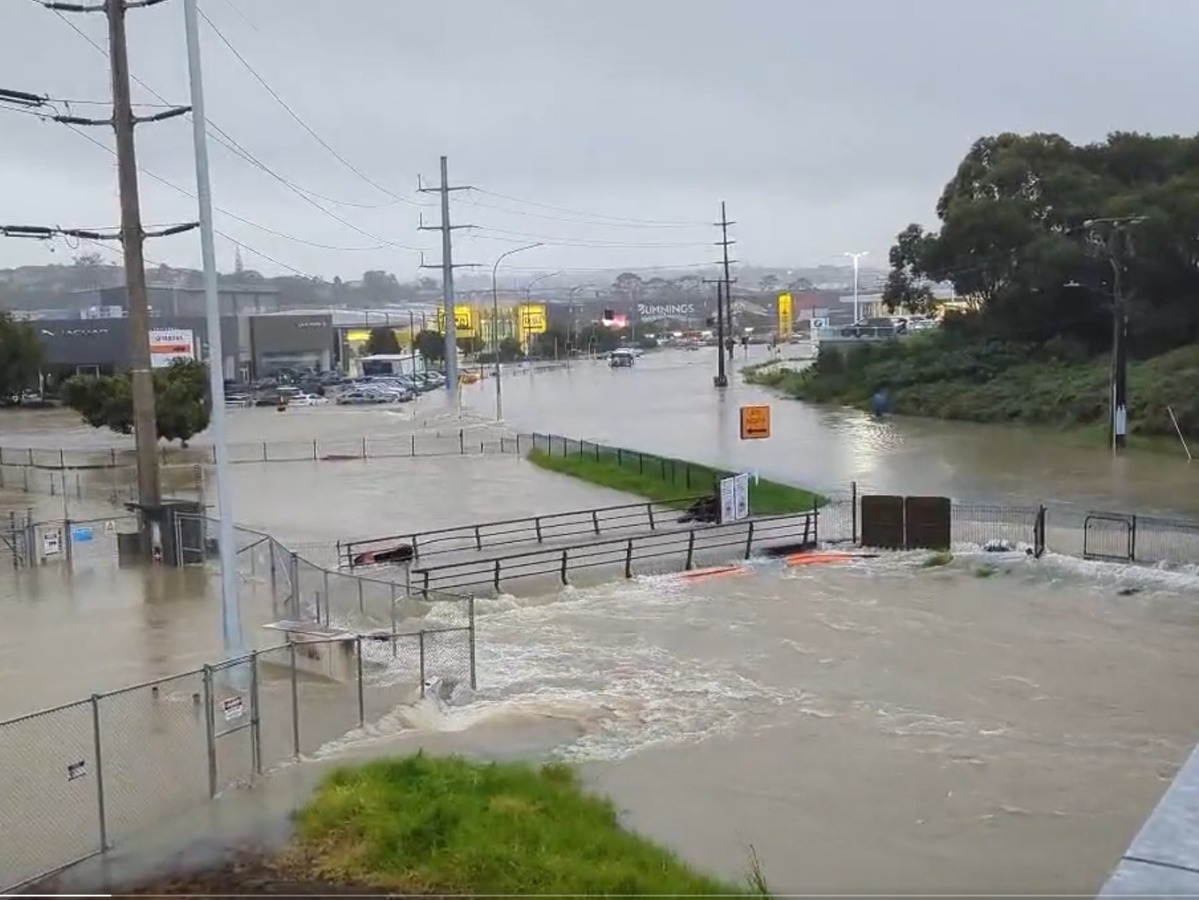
<point x="660" y="312"/>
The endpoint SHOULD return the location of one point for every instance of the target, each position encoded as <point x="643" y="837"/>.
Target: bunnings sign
<point x="660" y="312"/>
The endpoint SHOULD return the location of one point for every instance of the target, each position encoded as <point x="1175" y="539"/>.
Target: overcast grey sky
<point x="827" y="125"/>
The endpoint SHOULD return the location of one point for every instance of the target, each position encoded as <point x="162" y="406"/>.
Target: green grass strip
<point x="430" y="825"/>
<point x="666" y="480"/>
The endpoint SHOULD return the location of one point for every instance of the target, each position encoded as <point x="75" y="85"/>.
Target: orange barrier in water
<point x="817" y="557"/>
<point x="713" y="572"/>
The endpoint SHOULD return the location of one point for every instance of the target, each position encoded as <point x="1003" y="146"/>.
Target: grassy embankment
<point x="437" y="825"/>
<point x="933" y="375"/>
<point x="667" y="480"/>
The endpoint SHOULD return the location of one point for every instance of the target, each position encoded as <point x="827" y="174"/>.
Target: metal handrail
<point x="529" y="529"/>
<point x="802" y="528"/>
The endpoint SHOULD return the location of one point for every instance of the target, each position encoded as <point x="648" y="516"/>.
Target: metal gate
<point x="233" y="723"/>
<point x="1109" y="536"/>
<point x="883" y="522"/>
<point x="927" y="523"/>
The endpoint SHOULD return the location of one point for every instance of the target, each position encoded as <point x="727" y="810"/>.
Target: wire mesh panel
<point x="285" y="578"/>
<point x="1159" y="540"/>
<point x="979" y="524"/>
<point x="49" y="793"/>
<point x="155" y="748"/>
<point x="391" y="674"/>
<point x="276" y="723"/>
<point x="1108" y="536"/>
<point x="447" y="654"/>
<point x="233" y="701"/>
<point x="327" y="691"/>
<point x="837" y="520"/>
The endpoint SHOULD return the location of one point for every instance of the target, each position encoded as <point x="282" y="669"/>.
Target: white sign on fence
<point x="170" y="344"/>
<point x="741" y="496"/>
<point x="233" y="708"/>
<point x="51" y="542"/>
<point x="734" y="498"/>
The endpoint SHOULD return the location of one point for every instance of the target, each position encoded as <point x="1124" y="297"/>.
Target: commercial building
<point x="253" y="346"/>
<point x="170" y="301"/>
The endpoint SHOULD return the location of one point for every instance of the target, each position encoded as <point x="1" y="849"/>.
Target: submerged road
<point x="666" y="404"/>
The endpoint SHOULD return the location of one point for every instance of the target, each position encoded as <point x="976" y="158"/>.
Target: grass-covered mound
<point x="445" y="825"/>
<point x="667" y="480"/>
<point x="939" y="376"/>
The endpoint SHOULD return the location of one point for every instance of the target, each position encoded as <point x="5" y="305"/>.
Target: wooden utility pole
<point x="149" y="486"/>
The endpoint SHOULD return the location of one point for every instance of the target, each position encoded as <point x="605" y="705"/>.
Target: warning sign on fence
<point x="233" y="708"/>
<point x="51" y="542"/>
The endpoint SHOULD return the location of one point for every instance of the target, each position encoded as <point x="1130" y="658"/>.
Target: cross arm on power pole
<point x="421" y="189"/>
<point x="46" y="232"/>
<point x="27" y="100"/>
<point x="95" y="7"/>
<point x="421" y="226"/>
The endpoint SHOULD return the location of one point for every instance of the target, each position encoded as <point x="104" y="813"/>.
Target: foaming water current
<point x="997" y="723"/>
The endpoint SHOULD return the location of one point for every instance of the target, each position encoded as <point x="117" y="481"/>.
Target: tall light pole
<point x="529" y="286"/>
<point x="528" y="302"/>
<point x="231" y="624"/>
<point x="574" y="321"/>
<point x="857" y="260"/>
<point x="495" y="322"/>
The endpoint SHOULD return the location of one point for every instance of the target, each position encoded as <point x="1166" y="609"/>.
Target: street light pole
<point x="495" y="331"/>
<point x="529" y="301"/>
<point x="857" y="259"/>
<point x="231" y="622"/>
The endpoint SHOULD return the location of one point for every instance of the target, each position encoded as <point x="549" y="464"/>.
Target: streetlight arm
<point x="495" y="322"/>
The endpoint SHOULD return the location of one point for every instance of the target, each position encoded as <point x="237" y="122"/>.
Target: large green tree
<point x="1016" y="222"/>
<point x="182" y="404"/>
<point x="382" y="341"/>
<point x="430" y="345"/>
<point x="21" y="357"/>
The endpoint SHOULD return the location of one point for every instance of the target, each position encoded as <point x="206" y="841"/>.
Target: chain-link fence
<point x="79" y="779"/>
<point x="450" y="442"/>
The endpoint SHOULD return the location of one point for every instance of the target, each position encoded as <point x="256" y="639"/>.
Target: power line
<point x="678" y="267"/>
<point x="263" y="228"/>
<point x="549" y="239"/>
<point x="563" y="209"/>
<point x="577" y="221"/>
<point x="291" y="112"/>
<point x="221" y="134"/>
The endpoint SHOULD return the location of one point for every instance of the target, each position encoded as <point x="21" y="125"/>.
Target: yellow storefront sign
<point x="465" y="321"/>
<point x="531" y="319"/>
<point x="786" y="315"/>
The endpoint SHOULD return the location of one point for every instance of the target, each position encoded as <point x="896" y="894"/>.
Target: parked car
<point x="361" y="398"/>
<point x="308" y="400"/>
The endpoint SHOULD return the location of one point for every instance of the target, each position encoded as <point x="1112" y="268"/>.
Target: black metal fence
<point x="1128" y="537"/>
<point x="687" y="476"/>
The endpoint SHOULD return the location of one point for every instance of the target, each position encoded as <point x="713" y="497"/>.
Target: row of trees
<point x="1016" y="240"/>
